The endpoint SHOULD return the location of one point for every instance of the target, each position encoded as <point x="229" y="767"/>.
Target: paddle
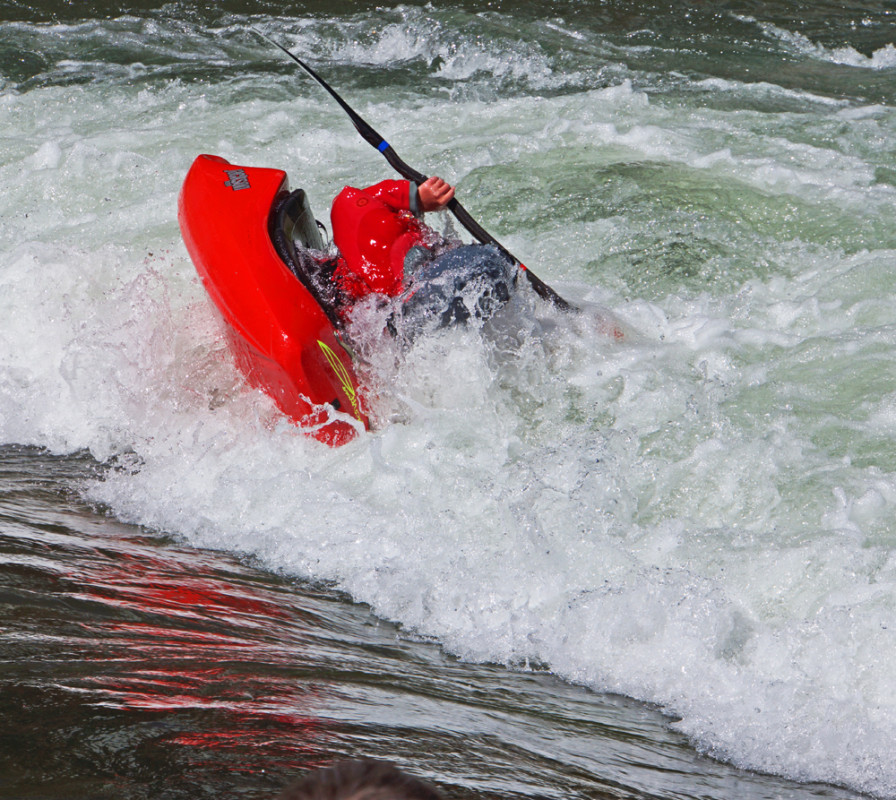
<point x="462" y="215"/>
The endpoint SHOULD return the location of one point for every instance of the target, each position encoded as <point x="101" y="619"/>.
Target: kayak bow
<point x="231" y="218"/>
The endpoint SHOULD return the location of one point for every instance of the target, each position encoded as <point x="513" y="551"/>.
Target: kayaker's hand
<point x="434" y="193"/>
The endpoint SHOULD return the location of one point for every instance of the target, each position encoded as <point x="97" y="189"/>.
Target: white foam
<point x="881" y="59"/>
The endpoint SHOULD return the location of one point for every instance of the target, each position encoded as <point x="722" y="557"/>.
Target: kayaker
<point x="387" y="249"/>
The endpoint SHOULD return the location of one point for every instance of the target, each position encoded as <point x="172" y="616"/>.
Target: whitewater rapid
<point x="699" y="515"/>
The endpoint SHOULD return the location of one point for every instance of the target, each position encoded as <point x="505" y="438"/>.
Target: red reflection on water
<point x="149" y="585"/>
<point x="212" y="659"/>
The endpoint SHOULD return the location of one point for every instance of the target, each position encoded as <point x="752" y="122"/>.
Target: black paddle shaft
<point x="463" y="216"/>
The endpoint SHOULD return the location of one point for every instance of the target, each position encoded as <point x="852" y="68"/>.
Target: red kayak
<point x="249" y="238"/>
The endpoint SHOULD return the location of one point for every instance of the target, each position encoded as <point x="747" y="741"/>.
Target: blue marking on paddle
<point x="384" y="145"/>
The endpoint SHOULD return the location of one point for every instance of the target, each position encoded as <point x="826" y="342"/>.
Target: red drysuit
<point x="374" y="228"/>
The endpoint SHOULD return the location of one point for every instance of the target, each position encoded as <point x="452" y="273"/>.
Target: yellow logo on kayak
<point x="342" y="374"/>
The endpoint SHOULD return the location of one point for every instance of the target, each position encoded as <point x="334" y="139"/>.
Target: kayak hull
<point x="281" y="338"/>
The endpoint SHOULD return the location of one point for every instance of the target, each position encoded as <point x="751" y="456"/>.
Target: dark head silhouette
<point x="363" y="779"/>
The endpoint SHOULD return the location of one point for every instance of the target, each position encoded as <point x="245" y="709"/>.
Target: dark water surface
<point x="132" y="666"/>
